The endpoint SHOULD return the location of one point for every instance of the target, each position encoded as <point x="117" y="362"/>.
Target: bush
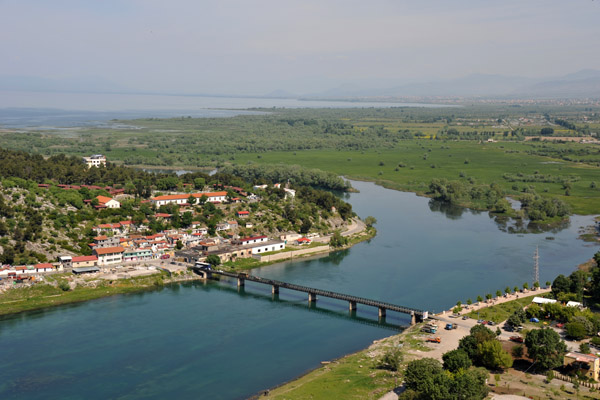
<point x="64" y="286"/>
<point x="391" y="360"/>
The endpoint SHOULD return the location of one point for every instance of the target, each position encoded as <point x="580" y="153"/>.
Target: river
<point x="212" y="341"/>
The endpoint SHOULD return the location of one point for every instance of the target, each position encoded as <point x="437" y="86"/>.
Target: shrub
<point x="390" y="360"/>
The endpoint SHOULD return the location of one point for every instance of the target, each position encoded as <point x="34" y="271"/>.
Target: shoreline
<point x="137" y="285"/>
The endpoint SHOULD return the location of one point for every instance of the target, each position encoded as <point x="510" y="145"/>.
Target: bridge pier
<point x="381" y="312"/>
<point x="352" y="305"/>
<point x="204" y="274"/>
<point x="412" y="318"/>
<point x="312" y="297"/>
<point x="274" y="289"/>
<point x="241" y="282"/>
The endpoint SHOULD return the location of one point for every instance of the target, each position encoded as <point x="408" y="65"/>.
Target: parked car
<point x="517" y="339"/>
<point x="165" y="256"/>
<point x="465" y="317"/>
<point x="491" y="323"/>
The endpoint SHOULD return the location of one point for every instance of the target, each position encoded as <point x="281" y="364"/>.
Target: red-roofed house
<point x="44" y="267"/>
<point x="303" y="240"/>
<point x="84" y="261"/>
<point x="108" y="202"/>
<point x="215" y="197"/>
<point x="109" y="255"/>
<point x="242" y="214"/>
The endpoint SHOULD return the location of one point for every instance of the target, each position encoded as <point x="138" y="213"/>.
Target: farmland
<point x="401" y="148"/>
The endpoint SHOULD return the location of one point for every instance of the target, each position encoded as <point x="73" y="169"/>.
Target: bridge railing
<point x="321" y="292"/>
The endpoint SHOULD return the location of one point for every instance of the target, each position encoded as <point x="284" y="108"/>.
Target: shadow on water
<point x="300" y="304"/>
<point x="335" y="257"/>
<point x="451" y="211"/>
<point x="520" y="226"/>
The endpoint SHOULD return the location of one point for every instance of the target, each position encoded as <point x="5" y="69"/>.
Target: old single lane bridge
<point x="353" y="301"/>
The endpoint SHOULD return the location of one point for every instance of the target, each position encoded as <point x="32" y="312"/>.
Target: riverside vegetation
<point x="475" y="149"/>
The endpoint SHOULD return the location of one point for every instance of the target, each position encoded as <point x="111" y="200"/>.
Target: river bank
<point x="48" y="293"/>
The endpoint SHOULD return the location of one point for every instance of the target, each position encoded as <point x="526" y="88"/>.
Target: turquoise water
<point x="213" y="341"/>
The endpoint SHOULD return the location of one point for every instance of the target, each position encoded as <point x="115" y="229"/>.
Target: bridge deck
<point x="325" y="293"/>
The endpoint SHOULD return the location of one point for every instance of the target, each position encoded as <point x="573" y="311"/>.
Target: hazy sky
<point x="243" y="46"/>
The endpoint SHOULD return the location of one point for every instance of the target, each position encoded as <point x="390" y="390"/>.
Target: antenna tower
<point x="536" y="266"/>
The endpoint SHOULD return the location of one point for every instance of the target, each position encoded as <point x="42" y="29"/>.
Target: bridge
<point x="353" y="301"/>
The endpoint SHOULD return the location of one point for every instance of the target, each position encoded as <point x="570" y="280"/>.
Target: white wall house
<point x="183" y="198"/>
<point x="253" y="240"/>
<point x="109" y="255"/>
<point x="274" y="245"/>
<point x="95" y="161"/>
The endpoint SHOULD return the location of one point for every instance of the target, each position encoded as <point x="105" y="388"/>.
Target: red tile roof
<point x="103" y="199"/>
<point x="44" y="265"/>
<point x="109" y="250"/>
<point x="253" y="238"/>
<point x="84" y="258"/>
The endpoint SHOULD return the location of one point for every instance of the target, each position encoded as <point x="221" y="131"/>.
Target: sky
<point x="300" y="46"/>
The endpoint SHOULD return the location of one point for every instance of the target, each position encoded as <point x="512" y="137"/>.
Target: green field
<point x="401" y="148"/>
<point x="487" y="163"/>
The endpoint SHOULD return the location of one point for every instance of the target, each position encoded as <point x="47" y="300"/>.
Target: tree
<point x="370" y="221"/>
<point x="488" y="296"/>
<point x="390" y="360"/>
<point x="547" y="131"/>
<point x="456" y="359"/>
<point x="213" y="260"/>
<point x="575" y="330"/>
<point x="561" y="284"/>
<point x="337" y="240"/>
<point x="498" y="293"/>
<point x="546" y="348"/>
<point x="507" y="290"/>
<point x="517" y="351"/>
<point x="469" y="384"/>
<point x="178" y="245"/>
<point x="426" y="377"/>
<point x="479" y="299"/>
<point x="526" y="286"/>
<point x="584" y="348"/>
<point x="469" y="301"/>
<point x="492" y="356"/>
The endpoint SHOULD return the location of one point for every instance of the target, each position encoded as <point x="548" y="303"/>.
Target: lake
<point x="213" y="341"/>
<point x="51" y="110"/>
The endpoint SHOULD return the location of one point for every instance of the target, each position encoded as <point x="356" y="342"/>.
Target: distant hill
<point x="582" y="84"/>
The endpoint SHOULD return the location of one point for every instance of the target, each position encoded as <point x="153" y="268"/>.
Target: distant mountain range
<point x="582" y="84"/>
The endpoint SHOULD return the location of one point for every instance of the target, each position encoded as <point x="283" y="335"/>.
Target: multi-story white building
<point x="216" y="197"/>
<point x="95" y="161"/>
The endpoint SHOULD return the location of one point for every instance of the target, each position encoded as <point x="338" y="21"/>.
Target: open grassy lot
<point x="43" y="295"/>
<point x="501" y="312"/>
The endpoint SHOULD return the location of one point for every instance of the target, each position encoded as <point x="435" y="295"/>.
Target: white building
<point x="265" y="247"/>
<point x="109" y="255"/>
<point x="95" y="161"/>
<point x="213" y="197"/>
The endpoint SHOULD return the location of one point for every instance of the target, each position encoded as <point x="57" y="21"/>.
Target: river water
<point x="213" y="341"/>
